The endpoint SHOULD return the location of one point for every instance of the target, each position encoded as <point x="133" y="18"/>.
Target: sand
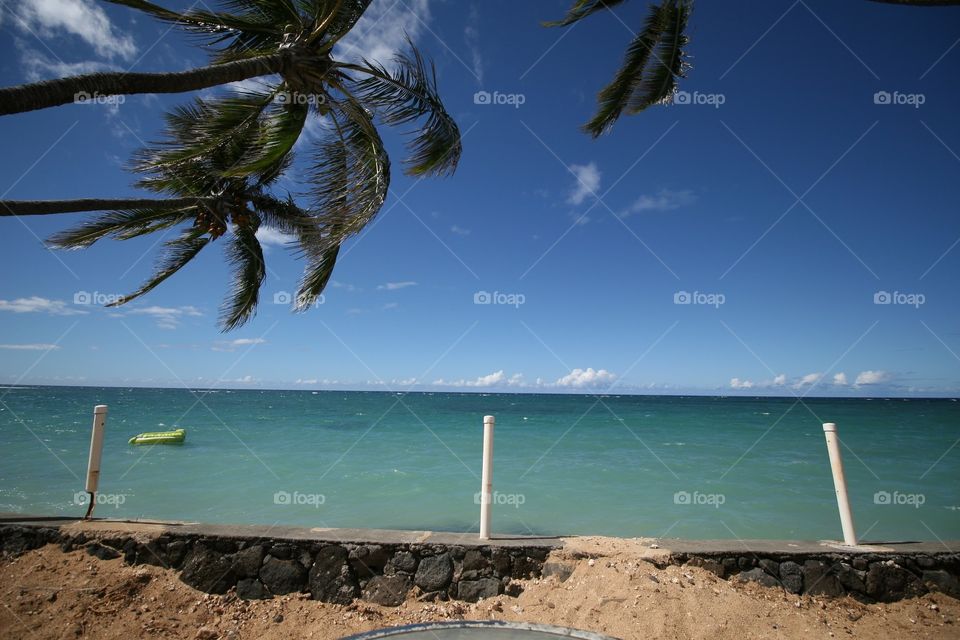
<point x="47" y="593"/>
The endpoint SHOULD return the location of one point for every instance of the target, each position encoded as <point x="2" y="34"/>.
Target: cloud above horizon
<point x="587" y="182"/>
<point x="664" y="200"/>
<point x="30" y="347"/>
<point x="383" y="29"/>
<point x="37" y="304"/>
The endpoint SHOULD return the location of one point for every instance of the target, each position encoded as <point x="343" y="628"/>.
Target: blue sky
<point x="789" y="227"/>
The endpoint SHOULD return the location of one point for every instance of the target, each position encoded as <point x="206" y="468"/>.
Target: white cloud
<point x="166" y="317"/>
<point x="840" y="379"/>
<point x="737" y="383"/>
<point x="308" y="381"/>
<point x="588" y="377"/>
<point x="268" y="236"/>
<point x="497" y="378"/>
<point x="231" y="345"/>
<point x="393" y="286"/>
<point x="471" y="34"/>
<point x="30" y="347"/>
<point x="459" y="230"/>
<point x="37" y="66"/>
<point x="391" y="305"/>
<point x="872" y="377"/>
<point x="343" y="285"/>
<point x="248" y="379"/>
<point x="587" y="182"/>
<point x="83" y="18"/>
<point x="383" y="30"/>
<point x="780" y="380"/>
<point x="809" y="379"/>
<point x="664" y="200"/>
<point x="36" y="304"/>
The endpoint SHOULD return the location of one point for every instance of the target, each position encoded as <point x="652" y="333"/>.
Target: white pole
<point x="486" y="479"/>
<point x="96" y="453"/>
<point x="840" y="484"/>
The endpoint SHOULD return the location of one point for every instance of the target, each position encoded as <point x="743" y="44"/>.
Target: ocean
<point x="661" y="466"/>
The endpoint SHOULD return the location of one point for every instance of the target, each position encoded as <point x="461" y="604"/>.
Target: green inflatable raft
<point x="176" y="436"/>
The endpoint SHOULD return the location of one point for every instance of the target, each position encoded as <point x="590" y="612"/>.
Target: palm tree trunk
<point x="47" y="207"/>
<point x="52" y="93"/>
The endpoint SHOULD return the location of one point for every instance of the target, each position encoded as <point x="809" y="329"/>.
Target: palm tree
<point x="210" y="207"/>
<point x="655" y="60"/>
<point x="293" y="38"/>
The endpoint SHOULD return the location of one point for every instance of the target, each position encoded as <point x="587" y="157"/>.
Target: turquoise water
<point x="691" y="467"/>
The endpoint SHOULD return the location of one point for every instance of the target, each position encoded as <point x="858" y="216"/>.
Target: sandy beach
<point x="51" y="594"/>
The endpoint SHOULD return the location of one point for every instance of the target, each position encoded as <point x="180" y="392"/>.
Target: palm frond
<point x="245" y="255"/>
<point x="122" y="225"/>
<point x="316" y="275"/>
<point x="581" y="9"/>
<point x="176" y="255"/>
<point x="407" y="94"/>
<point x="651" y="66"/>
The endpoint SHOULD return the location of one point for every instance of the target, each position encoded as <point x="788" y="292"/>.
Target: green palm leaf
<point x="245" y="255"/>
<point x="177" y="254"/>
<point x="122" y="225"/>
<point x="406" y="94"/>
<point x="653" y="63"/>
<point x="581" y="9"/>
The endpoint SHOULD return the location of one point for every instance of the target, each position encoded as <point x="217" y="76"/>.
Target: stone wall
<point x="869" y="577"/>
<point x="332" y="572"/>
<point x="261" y="567"/>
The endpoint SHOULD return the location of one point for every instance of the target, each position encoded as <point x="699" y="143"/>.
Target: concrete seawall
<point x="339" y="565"/>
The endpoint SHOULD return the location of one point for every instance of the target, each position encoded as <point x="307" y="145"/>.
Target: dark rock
<point x="247" y="561"/>
<point x="282" y="551"/>
<point x="560" y="569"/>
<point x="538" y="553"/>
<point x="501" y="561"/>
<point x="474" y="560"/>
<point x="820" y="579"/>
<point x="887" y="581"/>
<point x="730" y="566"/>
<point x="473" y="590"/>
<point x="252" y="589"/>
<point x="513" y="589"/>
<point x="524" y="567"/>
<point x="791" y="576"/>
<point x="388" y="591"/>
<point x="434" y="572"/>
<point x="745" y="563"/>
<point x="770" y="566"/>
<point x="278" y="618"/>
<point x="404" y="561"/>
<point x="130" y="551"/>
<point x="331" y="579"/>
<point x="305" y="558"/>
<point x="209" y="571"/>
<point x="852" y="579"/>
<point x="458" y="552"/>
<point x="98" y="550"/>
<point x="714" y="567"/>
<point x="758" y="575"/>
<point x="942" y="581"/>
<point x="926" y="562"/>
<point x="176" y="551"/>
<point x="470" y="575"/>
<point x="283" y="576"/>
<point x="369" y="560"/>
<point x="218" y="544"/>
<point x="152" y="553"/>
